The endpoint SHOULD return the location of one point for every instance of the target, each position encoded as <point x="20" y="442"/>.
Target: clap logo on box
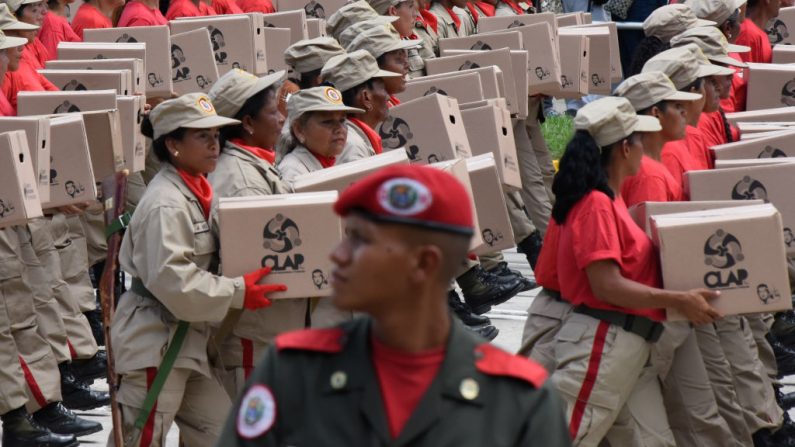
<point x="777" y="32"/>
<point x="395" y="133"/>
<point x="749" y="189"/>
<point x="281" y="236"/>
<point x="724" y="252"/>
<point x="771" y="152"/>
<point x="6" y="208"/>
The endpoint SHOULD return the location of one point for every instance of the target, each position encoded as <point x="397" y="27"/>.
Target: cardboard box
<point x="781" y="30"/>
<point x="544" y="60"/>
<point x="291" y="233"/>
<point x="53" y="103"/>
<point x="599" y="57"/>
<point x="464" y="87"/>
<point x="772" y="183"/>
<point x="491" y="80"/>
<point x="339" y="177"/>
<point x="783" y="54"/>
<point x="80" y="51"/>
<point x="458" y="169"/>
<point x="616" y="72"/>
<point x="103" y="133"/>
<point x="495" y="225"/>
<point x="490" y="131"/>
<point x="71" y="176"/>
<point x="770" y="85"/>
<point x="777" y="144"/>
<point x="78" y="80"/>
<point x="314" y="28"/>
<point x="570" y="19"/>
<point x="738" y="251"/>
<point x="277" y="40"/>
<point x="135" y="66"/>
<point x="520" y="23"/>
<point x="19" y="197"/>
<point x="430" y="129"/>
<point x="500" y="58"/>
<point x="37" y="131"/>
<point x="724" y="164"/>
<point x="763" y="115"/>
<point x="236" y="39"/>
<point x="295" y="20"/>
<point x="574" y="56"/>
<point x="131" y="110"/>
<point x="193" y="66"/>
<point x="495" y="102"/>
<point x="484" y="42"/>
<point x="321" y="9"/>
<point x="752" y="130"/>
<point x="643" y="212"/>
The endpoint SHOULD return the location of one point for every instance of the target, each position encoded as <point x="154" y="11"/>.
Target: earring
<point x="368" y="107"/>
<point x="301" y="140"/>
<point x="250" y="131"/>
<point x="176" y="154"/>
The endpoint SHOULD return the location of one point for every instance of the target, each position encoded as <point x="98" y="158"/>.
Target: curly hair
<point x="647" y="49"/>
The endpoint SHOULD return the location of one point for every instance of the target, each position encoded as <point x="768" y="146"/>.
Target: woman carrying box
<point x="170" y="251"/>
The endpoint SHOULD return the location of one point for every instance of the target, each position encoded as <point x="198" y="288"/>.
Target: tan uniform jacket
<point x="468" y="25"/>
<point x="241" y="173"/>
<point x="299" y="161"/>
<point x="503" y="10"/>
<point x="446" y="26"/>
<point x="170" y="248"/>
<point x="357" y="146"/>
<point x="430" y="44"/>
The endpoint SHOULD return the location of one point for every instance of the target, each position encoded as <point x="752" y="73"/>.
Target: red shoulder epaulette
<point x="496" y="362"/>
<point x="320" y="340"/>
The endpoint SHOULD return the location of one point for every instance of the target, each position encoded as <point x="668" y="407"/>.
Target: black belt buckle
<point x="644" y="327"/>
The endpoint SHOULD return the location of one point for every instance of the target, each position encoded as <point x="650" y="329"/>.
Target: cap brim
<point x="266" y="81"/>
<point x="704" y="22"/>
<point x="713" y="70"/>
<point x="728" y="60"/>
<point x="332" y="108"/>
<point x="734" y="48"/>
<point x="20" y="26"/>
<point x="387" y="74"/>
<point x="739" y="3"/>
<point x="13" y="42"/>
<point x="209" y="122"/>
<point x="647" y="124"/>
<point x="683" y="96"/>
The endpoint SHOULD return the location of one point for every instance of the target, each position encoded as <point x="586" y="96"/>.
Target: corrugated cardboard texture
<point x="19" y="198"/>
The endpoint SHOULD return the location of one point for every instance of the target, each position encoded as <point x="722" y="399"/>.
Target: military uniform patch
<point x="257" y="412"/>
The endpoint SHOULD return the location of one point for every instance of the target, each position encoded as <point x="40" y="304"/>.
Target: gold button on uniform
<point x="469" y="389"/>
<point x="338" y="380"/>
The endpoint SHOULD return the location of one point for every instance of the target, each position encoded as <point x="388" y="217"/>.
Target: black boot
<point x="486" y="331"/>
<point x="483" y="290"/>
<point x="531" y="247"/>
<point x="785" y="357"/>
<point x="784" y="327"/>
<point x="60" y="419"/>
<point x="20" y="430"/>
<point x="464" y="312"/>
<point x="90" y="369"/>
<point x="94" y="318"/>
<point x="503" y="271"/>
<point x="76" y="394"/>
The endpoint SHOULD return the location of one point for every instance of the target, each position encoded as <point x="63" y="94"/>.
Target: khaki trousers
<point x="534" y="192"/>
<point x="12" y="382"/>
<point x="544" y="157"/>
<point x="197" y="403"/>
<point x="544" y="318"/>
<point x="93" y="223"/>
<point x="237" y="360"/>
<point x="760" y="325"/>
<point x="73" y="250"/>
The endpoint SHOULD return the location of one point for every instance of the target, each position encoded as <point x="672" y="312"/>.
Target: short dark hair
<point x="349" y="96"/>
<point x="251" y="108"/>
<point x="159" y="144"/>
<point x="662" y="105"/>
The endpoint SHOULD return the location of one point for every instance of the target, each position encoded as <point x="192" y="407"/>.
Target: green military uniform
<point x="319" y="388"/>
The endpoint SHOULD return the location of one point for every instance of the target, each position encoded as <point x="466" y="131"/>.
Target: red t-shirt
<point x="546" y="271"/>
<point x="263" y="6"/>
<point x="739" y="90"/>
<point x="756" y="38"/>
<point x="207" y="10"/>
<point x="698" y="148"/>
<point x="89" y="17"/>
<point x="652" y="183"/>
<point x="6" y="109"/>
<point x="184" y="8"/>
<point x="677" y="159"/>
<point x="598" y="229"/>
<point x="26" y="78"/>
<point x="713" y="131"/>
<point x="226" y="7"/>
<point x="55" y="29"/>
<point x="36" y="54"/>
<point x="138" y="14"/>
<point x="404" y="378"/>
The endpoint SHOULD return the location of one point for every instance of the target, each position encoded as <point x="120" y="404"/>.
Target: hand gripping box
<point x="291" y="233"/>
<point x="484" y="42"/>
<point x="771" y="183"/>
<point x="464" y="87"/>
<point x="339" y="177"/>
<point x="37" y="131"/>
<point x="277" y="40"/>
<point x="193" y="66"/>
<point x="737" y="251"/>
<point x="458" y="169"/>
<point x="599" y="54"/>
<point x="315" y="28"/>
<point x="781" y="30"/>
<point x="78" y="80"/>
<point x="777" y="144"/>
<point x="489" y="131"/>
<point x="574" y="50"/>
<point x="295" y="20"/>
<point x="131" y="110"/>
<point x="491" y="80"/>
<point x="135" y="66"/>
<point x="430" y="129"/>
<point x="495" y="225"/>
<point x="236" y="39"/>
<point x="19" y="196"/>
<point x="763" y="115"/>
<point x="770" y="85"/>
<point x="104" y="136"/>
<point x="313" y="9"/>
<point x="643" y="212"/>
<point x="71" y="176"/>
<point x="53" y="103"/>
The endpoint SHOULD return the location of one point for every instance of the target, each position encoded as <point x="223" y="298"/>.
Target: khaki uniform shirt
<point x="468" y="25"/>
<point x="430" y="43"/>
<point x="325" y="392"/>
<point x="357" y="146"/>
<point x="446" y="27"/>
<point x="170" y="248"/>
<point x="503" y="10"/>
<point x="299" y="161"/>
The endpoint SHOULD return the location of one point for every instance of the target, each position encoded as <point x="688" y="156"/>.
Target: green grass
<point x="557" y="130"/>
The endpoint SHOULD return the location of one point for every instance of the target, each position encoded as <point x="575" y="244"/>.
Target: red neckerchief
<point x="393" y="101"/>
<point x="486" y="8"/>
<point x="454" y="16"/>
<point x="200" y="188"/>
<point x="375" y="139"/>
<point x="427" y="18"/>
<point x="474" y="12"/>
<point x="265" y="154"/>
<point x="514" y="6"/>
<point x="326" y="162"/>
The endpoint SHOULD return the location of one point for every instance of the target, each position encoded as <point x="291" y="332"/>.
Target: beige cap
<point x="382" y="6"/>
<point x="233" y="89"/>
<point x="13" y="5"/>
<point x="351" y="69"/>
<point x="683" y="66"/>
<point x="712" y="43"/>
<point x="376" y="38"/>
<point x="193" y="111"/>
<point x="717" y="11"/>
<point x="611" y="119"/>
<point x="11" y="42"/>
<point x="647" y="89"/>
<point x="311" y="54"/>
<point x="669" y="20"/>
<point x="9" y="22"/>
<point x="317" y="99"/>
<point x="351" y="14"/>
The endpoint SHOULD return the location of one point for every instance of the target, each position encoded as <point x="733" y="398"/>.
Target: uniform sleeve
<point x="165" y="240"/>
<point x="291" y="167"/>
<point x="547" y="422"/>
<point x="355" y="149"/>
<point x="594" y="234"/>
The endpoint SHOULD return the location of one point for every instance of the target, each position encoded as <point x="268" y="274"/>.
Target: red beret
<point x="411" y="194"/>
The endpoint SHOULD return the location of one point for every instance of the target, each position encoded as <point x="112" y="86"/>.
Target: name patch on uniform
<point x="257" y="412"/>
<point x="200" y="227"/>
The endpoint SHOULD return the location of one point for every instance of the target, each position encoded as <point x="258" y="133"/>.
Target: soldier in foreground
<point x="407" y="374"/>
